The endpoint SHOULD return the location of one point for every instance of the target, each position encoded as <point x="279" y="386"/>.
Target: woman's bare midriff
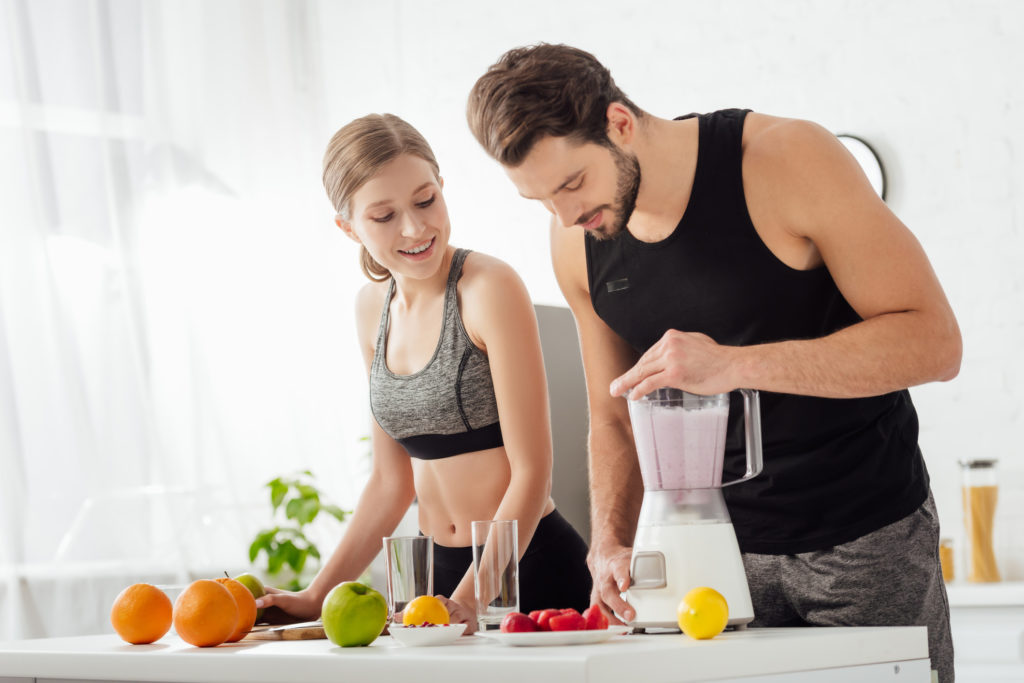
<point x="454" y="491"/>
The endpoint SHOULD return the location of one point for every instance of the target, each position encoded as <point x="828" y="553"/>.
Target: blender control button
<point x="648" y="570"/>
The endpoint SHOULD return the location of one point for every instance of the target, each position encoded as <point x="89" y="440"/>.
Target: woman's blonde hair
<point x="356" y="154"/>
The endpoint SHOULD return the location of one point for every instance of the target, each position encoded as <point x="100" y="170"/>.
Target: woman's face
<point x="400" y="216"/>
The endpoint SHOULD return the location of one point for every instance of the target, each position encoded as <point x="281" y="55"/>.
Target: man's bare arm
<point x="805" y="191"/>
<point x="615" y="485"/>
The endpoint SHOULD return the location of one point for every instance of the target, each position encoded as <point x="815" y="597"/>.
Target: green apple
<point x="255" y="586"/>
<point x="353" y="614"/>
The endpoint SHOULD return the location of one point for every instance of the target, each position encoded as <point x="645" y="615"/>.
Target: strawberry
<point x="594" y="619"/>
<point x="543" y="618"/>
<point x="569" y="620"/>
<point x="517" y="622"/>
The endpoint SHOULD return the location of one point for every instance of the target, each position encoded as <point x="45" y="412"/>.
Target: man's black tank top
<point x="834" y="469"/>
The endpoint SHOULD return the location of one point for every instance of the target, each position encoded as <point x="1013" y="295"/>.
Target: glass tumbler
<point x="409" y="567"/>
<point x="495" y="570"/>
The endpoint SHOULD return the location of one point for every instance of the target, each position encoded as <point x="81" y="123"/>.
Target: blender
<point x="684" y="536"/>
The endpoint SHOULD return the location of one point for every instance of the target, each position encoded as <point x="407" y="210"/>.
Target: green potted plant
<point x="296" y="502"/>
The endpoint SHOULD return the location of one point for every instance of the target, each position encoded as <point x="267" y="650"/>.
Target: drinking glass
<point x="495" y="570"/>
<point x="409" y="566"/>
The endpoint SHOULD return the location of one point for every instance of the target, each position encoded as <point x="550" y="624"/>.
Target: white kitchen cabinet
<point x="988" y="631"/>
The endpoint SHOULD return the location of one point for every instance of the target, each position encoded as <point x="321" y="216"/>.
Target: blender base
<point x="674" y="628"/>
<point x="671" y="559"/>
<point x="658" y="626"/>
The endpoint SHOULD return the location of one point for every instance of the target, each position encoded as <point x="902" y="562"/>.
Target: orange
<point x="141" y="613"/>
<point x="425" y="608"/>
<point x="246" y="608"/>
<point x="205" y="614"/>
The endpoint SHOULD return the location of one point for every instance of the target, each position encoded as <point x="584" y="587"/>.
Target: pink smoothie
<point x="679" y="448"/>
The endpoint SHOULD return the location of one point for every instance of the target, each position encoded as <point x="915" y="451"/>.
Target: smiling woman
<point x="457" y="385"/>
<point x="405" y="228"/>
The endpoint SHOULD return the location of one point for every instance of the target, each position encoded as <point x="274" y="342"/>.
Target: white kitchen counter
<point x="999" y="594"/>
<point x="838" y="655"/>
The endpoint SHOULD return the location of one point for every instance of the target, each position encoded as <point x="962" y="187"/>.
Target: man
<point x="730" y="250"/>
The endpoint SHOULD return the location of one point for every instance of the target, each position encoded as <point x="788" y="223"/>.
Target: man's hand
<point x="683" y="360"/>
<point x="610" y="568"/>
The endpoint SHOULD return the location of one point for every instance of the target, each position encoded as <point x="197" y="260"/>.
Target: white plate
<point x="536" y="638"/>
<point x="419" y="636"/>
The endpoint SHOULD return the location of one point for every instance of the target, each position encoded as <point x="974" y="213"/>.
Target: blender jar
<point x="980" y="490"/>
<point x="680" y="439"/>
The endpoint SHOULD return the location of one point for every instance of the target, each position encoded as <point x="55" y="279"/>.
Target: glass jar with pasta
<point x="980" y="492"/>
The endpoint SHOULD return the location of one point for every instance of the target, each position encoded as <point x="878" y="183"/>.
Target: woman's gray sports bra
<point x="448" y="407"/>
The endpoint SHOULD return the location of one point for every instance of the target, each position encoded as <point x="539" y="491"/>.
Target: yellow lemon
<point x="425" y="608"/>
<point x="703" y="613"/>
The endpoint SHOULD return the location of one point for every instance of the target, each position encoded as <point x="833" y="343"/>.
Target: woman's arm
<point x="500" y="319"/>
<point x="384" y="501"/>
<point x="388" y="494"/>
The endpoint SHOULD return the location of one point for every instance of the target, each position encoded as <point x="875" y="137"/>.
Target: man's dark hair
<point x="542" y="90"/>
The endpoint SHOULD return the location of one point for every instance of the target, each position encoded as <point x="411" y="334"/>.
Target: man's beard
<point x="627" y="187"/>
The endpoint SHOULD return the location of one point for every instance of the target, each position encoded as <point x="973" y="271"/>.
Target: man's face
<point x="582" y="184"/>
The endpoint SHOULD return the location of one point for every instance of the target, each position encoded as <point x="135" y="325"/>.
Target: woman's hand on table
<point x="305" y="605"/>
<point x="459" y="613"/>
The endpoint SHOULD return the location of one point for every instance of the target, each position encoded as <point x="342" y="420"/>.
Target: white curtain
<point x="175" y="307"/>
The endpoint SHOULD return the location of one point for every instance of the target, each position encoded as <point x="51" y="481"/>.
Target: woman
<point x="457" y="385"/>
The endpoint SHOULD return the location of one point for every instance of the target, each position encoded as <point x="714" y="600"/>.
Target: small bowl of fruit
<point x="425" y="622"/>
<point x="420" y="635"/>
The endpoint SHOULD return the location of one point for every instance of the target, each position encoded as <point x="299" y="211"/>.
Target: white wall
<point x="936" y="85"/>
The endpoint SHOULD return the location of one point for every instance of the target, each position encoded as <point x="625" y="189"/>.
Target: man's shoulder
<point x="569" y="259"/>
<point x="764" y="134"/>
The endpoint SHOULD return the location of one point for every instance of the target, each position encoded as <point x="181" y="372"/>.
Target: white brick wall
<point x="935" y="84"/>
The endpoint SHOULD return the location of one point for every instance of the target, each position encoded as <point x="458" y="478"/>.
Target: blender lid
<point x="978" y="464"/>
<point x="678" y="396"/>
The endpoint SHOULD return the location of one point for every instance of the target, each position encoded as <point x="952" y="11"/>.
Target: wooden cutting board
<point x="309" y="630"/>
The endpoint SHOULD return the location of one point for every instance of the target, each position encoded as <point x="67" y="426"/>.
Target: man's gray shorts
<point x="890" y="577"/>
